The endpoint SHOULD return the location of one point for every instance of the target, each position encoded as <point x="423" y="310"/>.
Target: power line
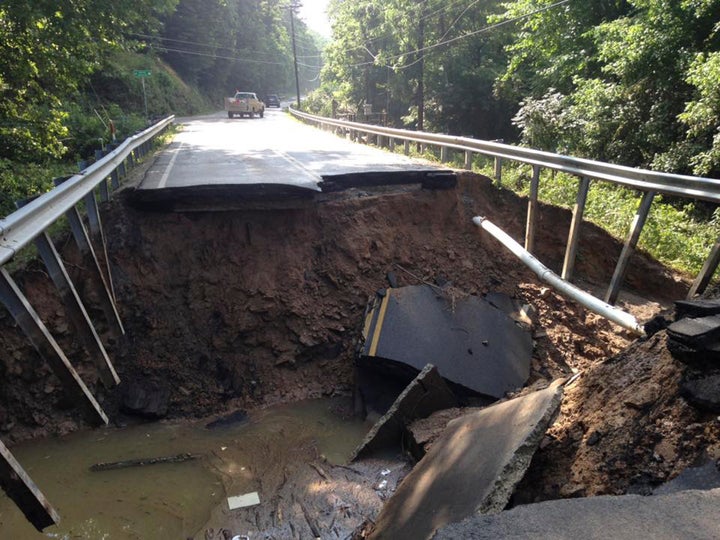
<point x="243" y="59"/>
<point x="457" y="38"/>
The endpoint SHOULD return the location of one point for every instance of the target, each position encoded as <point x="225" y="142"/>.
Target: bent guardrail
<point x="646" y="181"/>
<point x="29" y="224"/>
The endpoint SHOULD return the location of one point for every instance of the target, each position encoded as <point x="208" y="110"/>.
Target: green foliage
<point x="627" y="82"/>
<point x="223" y="45"/>
<point x="392" y="55"/>
<point x="20" y="181"/>
<point x="46" y="50"/>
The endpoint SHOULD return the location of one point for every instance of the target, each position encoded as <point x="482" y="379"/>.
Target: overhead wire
<point x="242" y="59"/>
<point x="452" y="40"/>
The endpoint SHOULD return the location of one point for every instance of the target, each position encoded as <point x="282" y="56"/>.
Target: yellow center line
<point x="378" y="325"/>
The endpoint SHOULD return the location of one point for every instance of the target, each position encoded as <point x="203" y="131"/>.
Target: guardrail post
<point x="498" y="171"/>
<point x="406" y="149"/>
<point x="391" y="143"/>
<point x="97" y="279"/>
<point x="573" y="237"/>
<point x="18" y="485"/>
<point x="115" y="180"/>
<point x="706" y="273"/>
<point x="97" y="231"/>
<point x="443" y="154"/>
<point x="76" y="311"/>
<point x="380" y="139"/>
<point x="636" y="228"/>
<point x="38" y="334"/>
<point x="532" y="210"/>
<point x="468" y="160"/>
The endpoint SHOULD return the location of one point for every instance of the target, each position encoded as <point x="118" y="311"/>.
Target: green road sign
<point x="141" y="72"/>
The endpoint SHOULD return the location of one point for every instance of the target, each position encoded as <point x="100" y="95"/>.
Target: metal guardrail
<point x="22" y="226"/>
<point x="670" y="184"/>
<point x="646" y="181"/>
<point x="29" y="224"/>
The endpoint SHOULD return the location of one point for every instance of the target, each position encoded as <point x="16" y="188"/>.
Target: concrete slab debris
<point x="687" y="514"/>
<point x="243" y="501"/>
<point x="473" y="468"/>
<point x="426" y="394"/>
<point x="472" y="343"/>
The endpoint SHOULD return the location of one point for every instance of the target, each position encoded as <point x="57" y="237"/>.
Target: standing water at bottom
<point x="171" y="500"/>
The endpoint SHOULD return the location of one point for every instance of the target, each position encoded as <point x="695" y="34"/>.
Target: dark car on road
<point x="272" y="100"/>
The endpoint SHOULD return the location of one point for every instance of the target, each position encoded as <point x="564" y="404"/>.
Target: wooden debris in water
<point x="141" y="462"/>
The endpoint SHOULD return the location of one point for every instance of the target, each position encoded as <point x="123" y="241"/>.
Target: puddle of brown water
<point x="167" y="500"/>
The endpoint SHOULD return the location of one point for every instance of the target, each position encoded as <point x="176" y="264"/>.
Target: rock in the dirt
<point x="148" y="399"/>
<point x="426" y="394"/>
<point x="703" y="392"/>
<point x="473" y="467"/>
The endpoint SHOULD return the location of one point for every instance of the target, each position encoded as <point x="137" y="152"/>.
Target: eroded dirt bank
<point x="242" y="309"/>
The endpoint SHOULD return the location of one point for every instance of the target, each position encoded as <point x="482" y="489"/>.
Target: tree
<point x="48" y="48"/>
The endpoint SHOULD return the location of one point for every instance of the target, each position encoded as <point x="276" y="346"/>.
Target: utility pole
<point x="293" y="6"/>
<point x="421" y="70"/>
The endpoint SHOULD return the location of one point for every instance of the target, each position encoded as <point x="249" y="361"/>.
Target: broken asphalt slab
<point x="426" y="394"/>
<point x="696" y="308"/>
<point x="696" y="333"/>
<point x="472" y="468"/>
<point x="686" y="515"/>
<point x="472" y="343"/>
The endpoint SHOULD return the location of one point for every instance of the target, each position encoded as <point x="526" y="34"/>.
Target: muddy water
<point x="168" y="500"/>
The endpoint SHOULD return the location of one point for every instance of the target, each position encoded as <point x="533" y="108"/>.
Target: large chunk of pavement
<point x="701" y="307"/>
<point x="686" y="514"/>
<point x="696" y="333"/>
<point x="472" y="343"/>
<point x="472" y="468"/>
<point x="426" y="394"/>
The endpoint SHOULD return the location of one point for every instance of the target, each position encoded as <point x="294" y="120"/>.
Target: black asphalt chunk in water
<point x="426" y="394"/>
<point x="472" y="343"/>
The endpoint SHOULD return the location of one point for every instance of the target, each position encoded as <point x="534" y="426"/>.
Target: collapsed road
<point x="251" y="307"/>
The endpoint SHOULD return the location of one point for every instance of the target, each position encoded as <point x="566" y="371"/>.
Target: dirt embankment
<point x="249" y="308"/>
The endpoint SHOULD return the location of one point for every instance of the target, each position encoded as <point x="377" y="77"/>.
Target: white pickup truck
<point x="244" y="104"/>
